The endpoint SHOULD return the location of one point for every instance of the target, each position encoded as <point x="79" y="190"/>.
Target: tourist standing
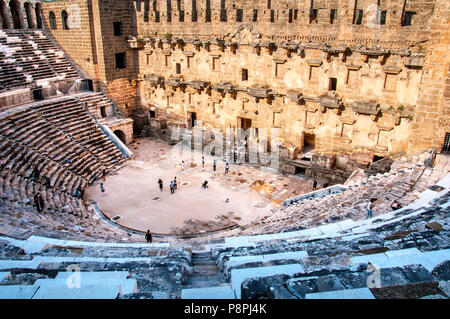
<point x="203" y="161"/>
<point x="369" y="208"/>
<point x="39" y="202"/>
<point x="102" y="188"/>
<point x="214" y="165"/>
<point x="314" y="185"/>
<point x="226" y="168"/>
<point x="78" y="192"/>
<point x="175" y="183"/>
<point x="172" y="191"/>
<point x="160" y="183"/>
<point x="182" y="165"/>
<point x="148" y="236"/>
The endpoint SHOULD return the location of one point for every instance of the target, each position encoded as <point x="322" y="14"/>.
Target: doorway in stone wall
<point x="121" y="135"/>
<point x="244" y="123"/>
<point x="103" y="111"/>
<point x="446" y="146"/>
<point x="309" y="144"/>
<point x="191" y="120"/>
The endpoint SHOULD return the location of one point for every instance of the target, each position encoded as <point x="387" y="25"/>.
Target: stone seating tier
<point x="27" y="56"/>
<point x="45" y="135"/>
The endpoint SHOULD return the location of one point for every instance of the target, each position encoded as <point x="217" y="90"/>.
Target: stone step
<point x="18" y="291"/>
<point x="200" y="280"/>
<point x="238" y="276"/>
<point x="60" y="289"/>
<point x="92" y="275"/>
<point x="217" y="292"/>
<point x="4" y="275"/>
<point x="359" y="293"/>
<point x="206" y="268"/>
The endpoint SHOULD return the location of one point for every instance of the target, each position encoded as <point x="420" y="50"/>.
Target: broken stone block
<point x="330" y="102"/>
<point x="442" y="271"/>
<point x="434" y="225"/>
<point x="366" y="108"/>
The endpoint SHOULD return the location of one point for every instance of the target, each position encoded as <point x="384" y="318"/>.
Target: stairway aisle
<point x="206" y="281"/>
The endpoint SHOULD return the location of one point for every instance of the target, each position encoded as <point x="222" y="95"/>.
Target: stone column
<point x="8" y="15"/>
<point x="22" y="15"/>
<point x="32" y="15"/>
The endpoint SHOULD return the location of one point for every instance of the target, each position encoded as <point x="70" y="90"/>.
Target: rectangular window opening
<point x="244" y="73"/>
<point x="117" y="28"/>
<point x="357" y="18"/>
<point x="333" y="15"/>
<point x="239" y="15"/>
<point x="120" y="60"/>
<point x="255" y="15"/>
<point x="333" y="84"/>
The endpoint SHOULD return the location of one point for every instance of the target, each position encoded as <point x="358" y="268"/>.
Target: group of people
<point x="172" y="186"/>
<point x="174" y="183"/>
<point x="371" y="204"/>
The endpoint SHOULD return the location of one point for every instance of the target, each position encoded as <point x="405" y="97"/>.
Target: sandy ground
<point x="133" y="193"/>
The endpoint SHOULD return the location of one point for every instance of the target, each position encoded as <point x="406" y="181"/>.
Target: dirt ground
<point x="133" y="192"/>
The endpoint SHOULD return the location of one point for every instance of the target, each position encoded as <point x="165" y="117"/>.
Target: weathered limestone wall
<point x="301" y="26"/>
<point x="77" y="41"/>
<point x="348" y="79"/>
<point x="288" y="90"/>
<point x="432" y="118"/>
<point x="90" y="41"/>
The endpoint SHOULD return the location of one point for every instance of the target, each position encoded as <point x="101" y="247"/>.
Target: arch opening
<point x="65" y="20"/>
<point x="52" y="20"/>
<point x="121" y="135"/>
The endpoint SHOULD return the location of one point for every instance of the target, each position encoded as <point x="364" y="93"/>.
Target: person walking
<point x="102" y="188"/>
<point x="314" y="185"/>
<point x="175" y="183"/>
<point x="369" y="208"/>
<point x="227" y="167"/>
<point x="182" y="165"/>
<point x="171" y="188"/>
<point x="214" y="165"/>
<point x="160" y="183"/>
<point x="203" y="161"/>
<point x="78" y="192"/>
<point x="39" y="202"/>
<point x="148" y="236"/>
